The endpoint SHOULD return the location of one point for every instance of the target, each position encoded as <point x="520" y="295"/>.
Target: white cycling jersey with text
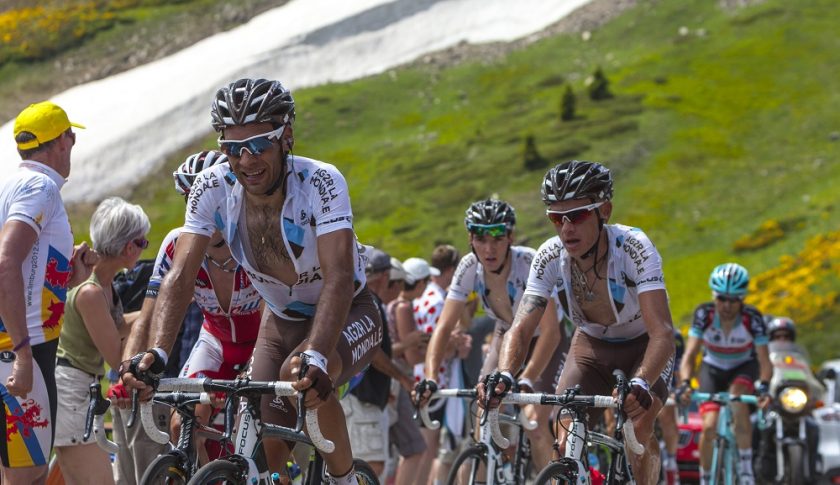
<point x="317" y="202"/>
<point x="32" y="195"/>
<point x="240" y="322"/>
<point x="469" y="277"/>
<point x="634" y="266"/>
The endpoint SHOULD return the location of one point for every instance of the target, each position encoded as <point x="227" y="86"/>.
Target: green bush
<point x="531" y="156"/>
<point x="599" y="89"/>
<point x="567" y="104"/>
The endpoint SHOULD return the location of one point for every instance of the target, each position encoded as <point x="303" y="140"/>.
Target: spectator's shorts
<point x="29" y="421"/>
<point x="367" y="426"/>
<point x="405" y="432"/>
<point x="73" y="399"/>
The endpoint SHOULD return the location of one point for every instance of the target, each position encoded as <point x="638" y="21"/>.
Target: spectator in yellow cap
<point x="38" y="264"/>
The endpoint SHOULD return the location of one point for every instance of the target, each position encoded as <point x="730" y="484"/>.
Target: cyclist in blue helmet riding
<point x="734" y="340"/>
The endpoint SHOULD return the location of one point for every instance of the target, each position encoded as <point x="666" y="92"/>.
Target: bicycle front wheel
<point x="467" y="467"/>
<point x="364" y="473"/>
<point x="166" y="469"/>
<point x="558" y="473"/>
<point x="219" y="472"/>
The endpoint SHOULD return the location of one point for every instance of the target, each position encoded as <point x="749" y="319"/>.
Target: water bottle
<point x="507" y="471"/>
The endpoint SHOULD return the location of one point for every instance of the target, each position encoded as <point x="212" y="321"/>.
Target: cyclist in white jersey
<point x="734" y="340"/>
<point x="288" y="222"/>
<point x="38" y="265"/>
<point x="611" y="286"/>
<point x="498" y="272"/>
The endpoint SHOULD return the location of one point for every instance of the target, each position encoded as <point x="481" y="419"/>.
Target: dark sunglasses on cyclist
<point x="141" y="243"/>
<point x="728" y="298"/>
<point x="255" y="145"/>
<point x="575" y="216"/>
<point x="492" y="230"/>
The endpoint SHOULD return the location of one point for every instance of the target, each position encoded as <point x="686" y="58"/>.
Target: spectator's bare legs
<point x="432" y="438"/>
<point x="409" y="469"/>
<point x="84" y="464"/>
<point x="32" y="474"/>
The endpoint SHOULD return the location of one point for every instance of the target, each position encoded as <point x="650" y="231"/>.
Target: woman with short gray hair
<point x="94" y="326"/>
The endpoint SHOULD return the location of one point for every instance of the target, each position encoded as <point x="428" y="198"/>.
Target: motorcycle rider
<point x="791" y="369"/>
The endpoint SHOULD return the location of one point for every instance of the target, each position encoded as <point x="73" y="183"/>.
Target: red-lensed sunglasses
<point x="575" y="216"/>
<point x="141" y="243"/>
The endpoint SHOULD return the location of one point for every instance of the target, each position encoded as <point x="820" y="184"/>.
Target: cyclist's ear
<point x="605" y="211"/>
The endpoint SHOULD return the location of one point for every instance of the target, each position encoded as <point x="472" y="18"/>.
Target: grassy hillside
<point x="722" y="134"/>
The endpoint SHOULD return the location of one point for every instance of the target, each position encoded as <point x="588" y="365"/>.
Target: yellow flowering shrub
<point x="767" y="233"/>
<point x="32" y="33"/>
<point x="37" y="32"/>
<point x="803" y="287"/>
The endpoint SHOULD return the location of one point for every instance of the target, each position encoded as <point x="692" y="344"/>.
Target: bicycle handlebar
<point x="423" y="411"/>
<point x="95" y="419"/>
<point x="147" y="415"/>
<point x="723" y="397"/>
<point x="278" y="388"/>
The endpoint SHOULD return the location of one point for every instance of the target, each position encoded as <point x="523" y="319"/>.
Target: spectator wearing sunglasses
<point x="288" y="221"/>
<point x="497" y="270"/>
<point x="38" y="264"/>
<point x="734" y="338"/>
<point x="94" y="328"/>
<point x="610" y="285"/>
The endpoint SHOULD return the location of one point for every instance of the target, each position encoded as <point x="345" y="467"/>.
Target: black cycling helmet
<point x="185" y="174"/>
<point x="577" y="180"/>
<point x="252" y="101"/>
<point x="781" y="323"/>
<point x="489" y="212"/>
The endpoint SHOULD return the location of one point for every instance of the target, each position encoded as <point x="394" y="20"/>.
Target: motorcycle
<point x="789" y="433"/>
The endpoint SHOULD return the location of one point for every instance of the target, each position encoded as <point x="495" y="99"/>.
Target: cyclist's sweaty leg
<point x="279" y="340"/>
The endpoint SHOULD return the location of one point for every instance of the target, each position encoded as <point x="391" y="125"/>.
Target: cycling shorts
<point x="279" y="340"/>
<point x="548" y="379"/>
<point x="714" y="379"/>
<point x="29" y="422"/>
<point x="210" y="357"/>
<point x="591" y="362"/>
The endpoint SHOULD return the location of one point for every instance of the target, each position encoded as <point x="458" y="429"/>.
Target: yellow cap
<point x="45" y="120"/>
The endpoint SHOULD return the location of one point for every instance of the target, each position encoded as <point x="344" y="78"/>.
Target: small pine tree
<point x="600" y="87"/>
<point x="567" y="104"/>
<point x="530" y="155"/>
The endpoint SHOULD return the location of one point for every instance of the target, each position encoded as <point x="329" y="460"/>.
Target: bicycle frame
<point x="494" y="472"/>
<point x="250" y="430"/>
<point x="725" y="451"/>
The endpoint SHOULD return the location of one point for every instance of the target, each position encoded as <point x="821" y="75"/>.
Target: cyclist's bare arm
<point x="140" y="338"/>
<point x="764" y="364"/>
<point x="692" y="348"/>
<point x="547" y="343"/>
<point x="437" y="350"/>
<point x="660" y="329"/>
<point x="335" y="252"/>
<point x="515" y="343"/>
<point x="177" y="289"/>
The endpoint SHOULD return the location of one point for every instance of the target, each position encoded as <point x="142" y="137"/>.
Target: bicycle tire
<point x="219" y="472"/>
<point x="795" y="466"/>
<point x="556" y="472"/>
<point x="364" y="473"/>
<point x="168" y="469"/>
<point x="718" y="475"/>
<point x="475" y="457"/>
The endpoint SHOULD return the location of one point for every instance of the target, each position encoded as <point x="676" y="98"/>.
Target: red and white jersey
<point x="240" y="323"/>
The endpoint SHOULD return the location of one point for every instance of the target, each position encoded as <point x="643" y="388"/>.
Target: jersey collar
<point x="44" y="169"/>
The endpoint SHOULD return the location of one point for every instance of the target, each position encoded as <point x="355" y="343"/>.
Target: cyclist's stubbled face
<point x="728" y="309"/>
<point x="491" y="250"/>
<point x="257" y="173"/>
<point x="578" y="237"/>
